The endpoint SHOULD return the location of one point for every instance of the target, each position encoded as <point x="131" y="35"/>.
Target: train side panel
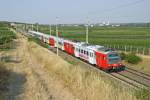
<point x="101" y="60"/>
<point x="69" y="48"/>
<point x="51" y="42"/>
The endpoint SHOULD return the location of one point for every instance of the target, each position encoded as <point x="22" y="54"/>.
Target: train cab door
<point x="71" y="49"/>
<point x="101" y="60"/>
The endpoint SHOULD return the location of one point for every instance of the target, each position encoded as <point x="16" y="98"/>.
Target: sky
<point x="75" y="11"/>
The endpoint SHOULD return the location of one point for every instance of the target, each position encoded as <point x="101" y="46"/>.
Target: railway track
<point x="136" y="76"/>
<point x="129" y="77"/>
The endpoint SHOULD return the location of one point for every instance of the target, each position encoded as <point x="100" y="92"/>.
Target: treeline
<point x="4" y="24"/>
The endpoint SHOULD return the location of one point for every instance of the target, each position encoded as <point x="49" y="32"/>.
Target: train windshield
<point x="113" y="58"/>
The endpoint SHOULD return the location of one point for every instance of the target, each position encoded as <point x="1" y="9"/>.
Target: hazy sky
<point x="75" y="11"/>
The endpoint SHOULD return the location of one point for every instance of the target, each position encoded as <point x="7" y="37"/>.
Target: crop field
<point x="134" y="39"/>
<point x="6" y="35"/>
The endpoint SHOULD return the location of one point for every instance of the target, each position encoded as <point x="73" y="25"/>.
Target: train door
<point x="101" y="60"/>
<point x="76" y="51"/>
<point x="66" y="46"/>
<point x="55" y="42"/>
<point x="91" y="55"/>
<point x="51" y="42"/>
<point x="42" y="38"/>
<point x="47" y="40"/>
<point x="71" y="49"/>
<point x="62" y="46"/>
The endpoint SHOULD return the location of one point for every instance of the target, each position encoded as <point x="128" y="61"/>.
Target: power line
<point x="125" y="5"/>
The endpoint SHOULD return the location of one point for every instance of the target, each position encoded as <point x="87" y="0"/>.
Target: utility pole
<point x="57" y="33"/>
<point x="50" y="30"/>
<point x="32" y="27"/>
<point x="37" y="28"/>
<point x="24" y="27"/>
<point x="87" y="30"/>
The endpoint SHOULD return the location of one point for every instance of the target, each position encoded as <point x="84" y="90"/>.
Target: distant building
<point x="13" y="24"/>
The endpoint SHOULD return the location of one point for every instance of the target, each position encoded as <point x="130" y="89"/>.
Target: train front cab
<point x="108" y="63"/>
<point x="114" y="61"/>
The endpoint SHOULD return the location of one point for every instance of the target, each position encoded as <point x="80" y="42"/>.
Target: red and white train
<point x="100" y="56"/>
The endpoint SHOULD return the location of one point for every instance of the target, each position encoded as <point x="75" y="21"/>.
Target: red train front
<point x="108" y="60"/>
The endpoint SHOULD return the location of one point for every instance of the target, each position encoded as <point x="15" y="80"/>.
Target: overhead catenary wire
<point x="115" y="8"/>
<point x="57" y="33"/>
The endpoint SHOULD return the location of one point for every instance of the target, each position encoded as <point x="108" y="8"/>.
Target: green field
<point x="6" y="35"/>
<point x="127" y="38"/>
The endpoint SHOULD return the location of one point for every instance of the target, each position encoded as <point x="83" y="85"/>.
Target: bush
<point x="132" y="58"/>
<point x="122" y="55"/>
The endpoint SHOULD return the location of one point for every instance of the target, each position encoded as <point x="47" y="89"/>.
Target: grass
<point x="143" y="94"/>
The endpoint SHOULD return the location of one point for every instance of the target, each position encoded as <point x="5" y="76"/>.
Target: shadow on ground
<point x="10" y="59"/>
<point x="10" y="83"/>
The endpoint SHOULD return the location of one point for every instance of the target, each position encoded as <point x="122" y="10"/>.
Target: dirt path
<point x="29" y="80"/>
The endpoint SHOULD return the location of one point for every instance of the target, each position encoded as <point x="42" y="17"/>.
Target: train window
<point x="87" y="53"/>
<point x="113" y="55"/>
<point x="72" y="47"/>
<point x="104" y="58"/>
<point x="84" y="52"/>
<point x="90" y="54"/>
<point x="77" y="49"/>
<point x="59" y="43"/>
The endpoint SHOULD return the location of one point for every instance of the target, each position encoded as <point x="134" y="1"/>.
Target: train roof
<point x="99" y="48"/>
<point x="39" y="33"/>
<point x="69" y="41"/>
<point x="83" y="44"/>
<point x="95" y="47"/>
